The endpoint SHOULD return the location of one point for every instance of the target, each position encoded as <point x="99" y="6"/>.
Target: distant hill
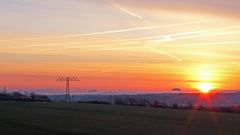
<point x="181" y="99"/>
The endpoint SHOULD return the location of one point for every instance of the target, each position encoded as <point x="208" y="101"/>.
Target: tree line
<point x="17" y="96"/>
<point x="190" y="106"/>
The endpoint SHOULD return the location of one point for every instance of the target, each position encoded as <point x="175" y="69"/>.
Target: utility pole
<point x="67" y="80"/>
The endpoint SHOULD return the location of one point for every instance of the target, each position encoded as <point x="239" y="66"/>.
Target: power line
<point x="67" y="80"/>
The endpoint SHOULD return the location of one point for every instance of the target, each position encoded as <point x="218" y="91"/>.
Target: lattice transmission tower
<point x="67" y="80"/>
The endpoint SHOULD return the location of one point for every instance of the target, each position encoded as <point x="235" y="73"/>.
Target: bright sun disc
<point x="204" y="87"/>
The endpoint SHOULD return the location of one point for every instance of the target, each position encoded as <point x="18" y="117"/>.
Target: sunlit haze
<point x="130" y="45"/>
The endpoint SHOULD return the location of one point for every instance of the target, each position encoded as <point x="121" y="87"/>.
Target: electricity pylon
<point x="67" y="80"/>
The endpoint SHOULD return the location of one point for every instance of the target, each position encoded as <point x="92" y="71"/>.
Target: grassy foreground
<point x="90" y="119"/>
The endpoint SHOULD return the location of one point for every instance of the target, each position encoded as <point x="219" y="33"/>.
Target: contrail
<point x="195" y="36"/>
<point x="111" y="31"/>
<point x="164" y="53"/>
<point x="206" y="35"/>
<point x="112" y="43"/>
<point x="89" y="34"/>
<point x="131" y="13"/>
<point x="160" y="38"/>
<point x="87" y="48"/>
<point x="128" y="30"/>
<point x="106" y="32"/>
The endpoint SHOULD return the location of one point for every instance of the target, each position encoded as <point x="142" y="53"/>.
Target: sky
<point x="114" y="45"/>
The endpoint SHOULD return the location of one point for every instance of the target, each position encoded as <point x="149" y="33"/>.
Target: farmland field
<point x="91" y="119"/>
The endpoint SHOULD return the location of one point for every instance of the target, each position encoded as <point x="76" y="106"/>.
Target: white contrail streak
<point x="128" y="30"/>
<point x="105" y="32"/>
<point x="164" y="53"/>
<point x="195" y="36"/>
<point x="89" y="34"/>
<point x="110" y="32"/>
<point x="161" y="38"/>
<point x="131" y="13"/>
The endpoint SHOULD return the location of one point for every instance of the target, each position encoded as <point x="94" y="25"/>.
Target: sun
<point x="205" y="87"/>
<point x="204" y="77"/>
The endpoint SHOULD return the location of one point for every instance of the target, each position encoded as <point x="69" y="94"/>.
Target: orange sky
<point x="147" y="45"/>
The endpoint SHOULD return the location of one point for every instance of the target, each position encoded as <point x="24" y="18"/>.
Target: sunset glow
<point x="204" y="87"/>
<point x="147" y="45"/>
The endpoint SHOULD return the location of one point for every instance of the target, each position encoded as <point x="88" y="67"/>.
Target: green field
<point x="91" y="119"/>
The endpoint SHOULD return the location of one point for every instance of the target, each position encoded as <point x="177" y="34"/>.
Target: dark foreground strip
<point x="39" y="130"/>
